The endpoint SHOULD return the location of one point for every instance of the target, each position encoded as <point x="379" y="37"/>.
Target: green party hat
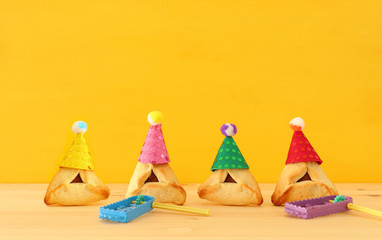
<point x="229" y="155"/>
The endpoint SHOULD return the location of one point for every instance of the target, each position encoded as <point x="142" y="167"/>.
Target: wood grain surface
<point x="23" y="215"/>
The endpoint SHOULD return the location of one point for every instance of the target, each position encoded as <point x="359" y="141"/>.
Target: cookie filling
<point x="77" y="179"/>
<point x="229" y="179"/>
<point x="306" y="177"/>
<point x="152" y="178"/>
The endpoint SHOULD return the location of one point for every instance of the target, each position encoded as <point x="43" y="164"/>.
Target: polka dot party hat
<point x="154" y="149"/>
<point x="229" y="155"/>
<point x="78" y="155"/>
<point x="300" y="149"/>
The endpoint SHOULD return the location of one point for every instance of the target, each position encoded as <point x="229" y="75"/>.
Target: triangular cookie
<point x="231" y="187"/>
<point x="231" y="182"/>
<point x="75" y="187"/>
<point x="302" y="177"/>
<point x="157" y="180"/>
<point x="75" y="183"/>
<point x="303" y="180"/>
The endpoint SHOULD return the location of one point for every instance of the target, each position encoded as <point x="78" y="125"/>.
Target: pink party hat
<point x="154" y="149"/>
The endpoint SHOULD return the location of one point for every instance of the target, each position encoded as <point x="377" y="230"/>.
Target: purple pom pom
<point x="228" y="129"/>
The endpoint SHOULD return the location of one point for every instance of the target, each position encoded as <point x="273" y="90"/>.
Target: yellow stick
<point x="363" y="209"/>
<point x="171" y="207"/>
<point x="199" y="211"/>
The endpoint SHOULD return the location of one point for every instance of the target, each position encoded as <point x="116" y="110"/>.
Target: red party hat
<point x="300" y="148"/>
<point x="154" y="149"/>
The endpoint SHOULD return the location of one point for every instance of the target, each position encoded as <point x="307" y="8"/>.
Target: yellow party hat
<point x="78" y="155"/>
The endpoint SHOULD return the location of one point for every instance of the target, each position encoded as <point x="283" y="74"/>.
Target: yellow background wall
<point x="202" y="63"/>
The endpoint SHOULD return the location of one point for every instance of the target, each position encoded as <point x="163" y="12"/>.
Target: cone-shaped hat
<point x="78" y="155"/>
<point x="229" y="155"/>
<point x="300" y="149"/>
<point x="154" y="149"/>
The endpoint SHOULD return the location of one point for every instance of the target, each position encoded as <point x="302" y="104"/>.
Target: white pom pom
<point x="79" y="127"/>
<point x="297" y="124"/>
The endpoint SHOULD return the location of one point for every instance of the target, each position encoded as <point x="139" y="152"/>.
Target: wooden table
<point x="23" y="215"/>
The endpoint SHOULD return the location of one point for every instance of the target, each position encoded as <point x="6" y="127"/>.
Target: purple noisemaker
<point x="317" y="207"/>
